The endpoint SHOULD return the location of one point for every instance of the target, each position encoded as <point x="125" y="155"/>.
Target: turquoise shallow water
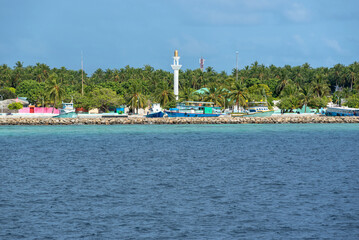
<point x="180" y="181"/>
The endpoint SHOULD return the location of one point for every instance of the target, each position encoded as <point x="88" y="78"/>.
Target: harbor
<point x="179" y="120"/>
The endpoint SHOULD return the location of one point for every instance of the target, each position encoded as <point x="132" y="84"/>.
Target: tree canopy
<point x="137" y="87"/>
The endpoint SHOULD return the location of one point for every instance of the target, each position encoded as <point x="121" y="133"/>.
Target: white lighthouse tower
<point x="176" y="67"/>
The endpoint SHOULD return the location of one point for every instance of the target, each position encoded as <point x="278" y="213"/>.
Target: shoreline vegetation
<point x="136" y="120"/>
<point x="292" y="87"/>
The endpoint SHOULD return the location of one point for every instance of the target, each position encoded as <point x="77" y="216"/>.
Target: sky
<point x="112" y="34"/>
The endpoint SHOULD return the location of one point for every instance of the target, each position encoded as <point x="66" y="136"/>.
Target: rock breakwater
<point x="220" y="120"/>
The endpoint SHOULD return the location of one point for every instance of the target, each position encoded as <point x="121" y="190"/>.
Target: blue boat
<point x="194" y="109"/>
<point x="342" y="111"/>
<point x="155" y="115"/>
<point x="155" y="111"/>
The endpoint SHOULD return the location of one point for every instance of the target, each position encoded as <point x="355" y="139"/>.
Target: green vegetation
<point x="7" y="94"/>
<point x="353" y="101"/>
<point x="138" y="87"/>
<point x="15" y="106"/>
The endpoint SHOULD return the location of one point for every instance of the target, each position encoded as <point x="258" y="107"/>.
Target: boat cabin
<point x="197" y="107"/>
<point x="257" y="107"/>
<point x="67" y="108"/>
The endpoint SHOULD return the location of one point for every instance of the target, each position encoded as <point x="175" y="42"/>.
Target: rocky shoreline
<point x="137" y="120"/>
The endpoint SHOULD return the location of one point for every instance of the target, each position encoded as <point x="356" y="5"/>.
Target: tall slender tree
<point x="136" y="98"/>
<point x="164" y="94"/>
<point x="238" y="94"/>
<point x="305" y="95"/>
<point x="54" y="89"/>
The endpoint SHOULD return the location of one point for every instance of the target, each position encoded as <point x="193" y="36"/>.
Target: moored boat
<point x="260" y="114"/>
<point x="342" y="111"/>
<point x="67" y="111"/>
<point x="67" y="108"/>
<point x="155" y="111"/>
<point x="258" y="109"/>
<point x="194" y="109"/>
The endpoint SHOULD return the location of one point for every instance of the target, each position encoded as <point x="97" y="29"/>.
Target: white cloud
<point x="190" y="45"/>
<point x="231" y="12"/>
<point x="300" y="44"/>
<point x="297" y="13"/>
<point x="298" y="39"/>
<point x="216" y="17"/>
<point x="334" y="45"/>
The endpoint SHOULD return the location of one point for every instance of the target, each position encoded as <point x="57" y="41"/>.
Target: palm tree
<point x="356" y="84"/>
<point x="238" y="94"/>
<point x="136" y="98"/>
<point x="54" y="89"/>
<point x="353" y="70"/>
<point x="306" y="94"/>
<point x="282" y="84"/>
<point x="338" y="73"/>
<point x="187" y="94"/>
<point x="5" y="75"/>
<point x="164" y="94"/>
<point x="223" y="96"/>
<point x="212" y="94"/>
<point x="291" y="90"/>
<point x="319" y="85"/>
<point x="200" y="81"/>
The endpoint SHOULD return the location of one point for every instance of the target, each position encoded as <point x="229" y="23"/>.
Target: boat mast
<point x="82" y="73"/>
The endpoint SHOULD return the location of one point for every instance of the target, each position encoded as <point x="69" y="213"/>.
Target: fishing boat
<point x="155" y="111"/>
<point x="194" y="109"/>
<point x="342" y="111"/>
<point x="67" y="108"/>
<point x="67" y="111"/>
<point x="258" y="109"/>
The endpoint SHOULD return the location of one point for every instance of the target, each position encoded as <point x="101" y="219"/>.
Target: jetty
<point x="205" y="120"/>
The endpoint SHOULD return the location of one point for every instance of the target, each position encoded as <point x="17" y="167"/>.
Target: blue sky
<point x="113" y="33"/>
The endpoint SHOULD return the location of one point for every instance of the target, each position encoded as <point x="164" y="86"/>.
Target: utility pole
<point x="82" y="73"/>
<point x="236" y="66"/>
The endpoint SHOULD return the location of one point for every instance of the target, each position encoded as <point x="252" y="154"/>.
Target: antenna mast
<point x="82" y="73"/>
<point x="201" y="64"/>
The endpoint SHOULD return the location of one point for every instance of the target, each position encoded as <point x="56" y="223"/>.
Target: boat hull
<point x="155" y="115"/>
<point x="67" y="115"/>
<point x="260" y="114"/>
<point x="341" y="111"/>
<point x="185" y="114"/>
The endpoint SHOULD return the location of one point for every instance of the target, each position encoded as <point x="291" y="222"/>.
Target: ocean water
<point x="180" y="182"/>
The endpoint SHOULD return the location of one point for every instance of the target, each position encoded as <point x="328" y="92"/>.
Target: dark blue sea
<point x="287" y="181"/>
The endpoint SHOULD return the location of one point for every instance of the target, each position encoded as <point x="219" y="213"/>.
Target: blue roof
<point x="201" y="91"/>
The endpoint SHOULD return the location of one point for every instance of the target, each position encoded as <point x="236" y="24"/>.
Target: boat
<point x="155" y="111"/>
<point x="342" y="111"/>
<point x="194" y="109"/>
<point x="258" y="109"/>
<point x="67" y="108"/>
<point x="67" y="111"/>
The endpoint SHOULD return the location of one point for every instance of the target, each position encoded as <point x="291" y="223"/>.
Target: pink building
<point x="33" y="109"/>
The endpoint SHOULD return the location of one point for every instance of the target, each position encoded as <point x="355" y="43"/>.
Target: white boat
<point x="67" y="108"/>
<point x="258" y="109"/>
